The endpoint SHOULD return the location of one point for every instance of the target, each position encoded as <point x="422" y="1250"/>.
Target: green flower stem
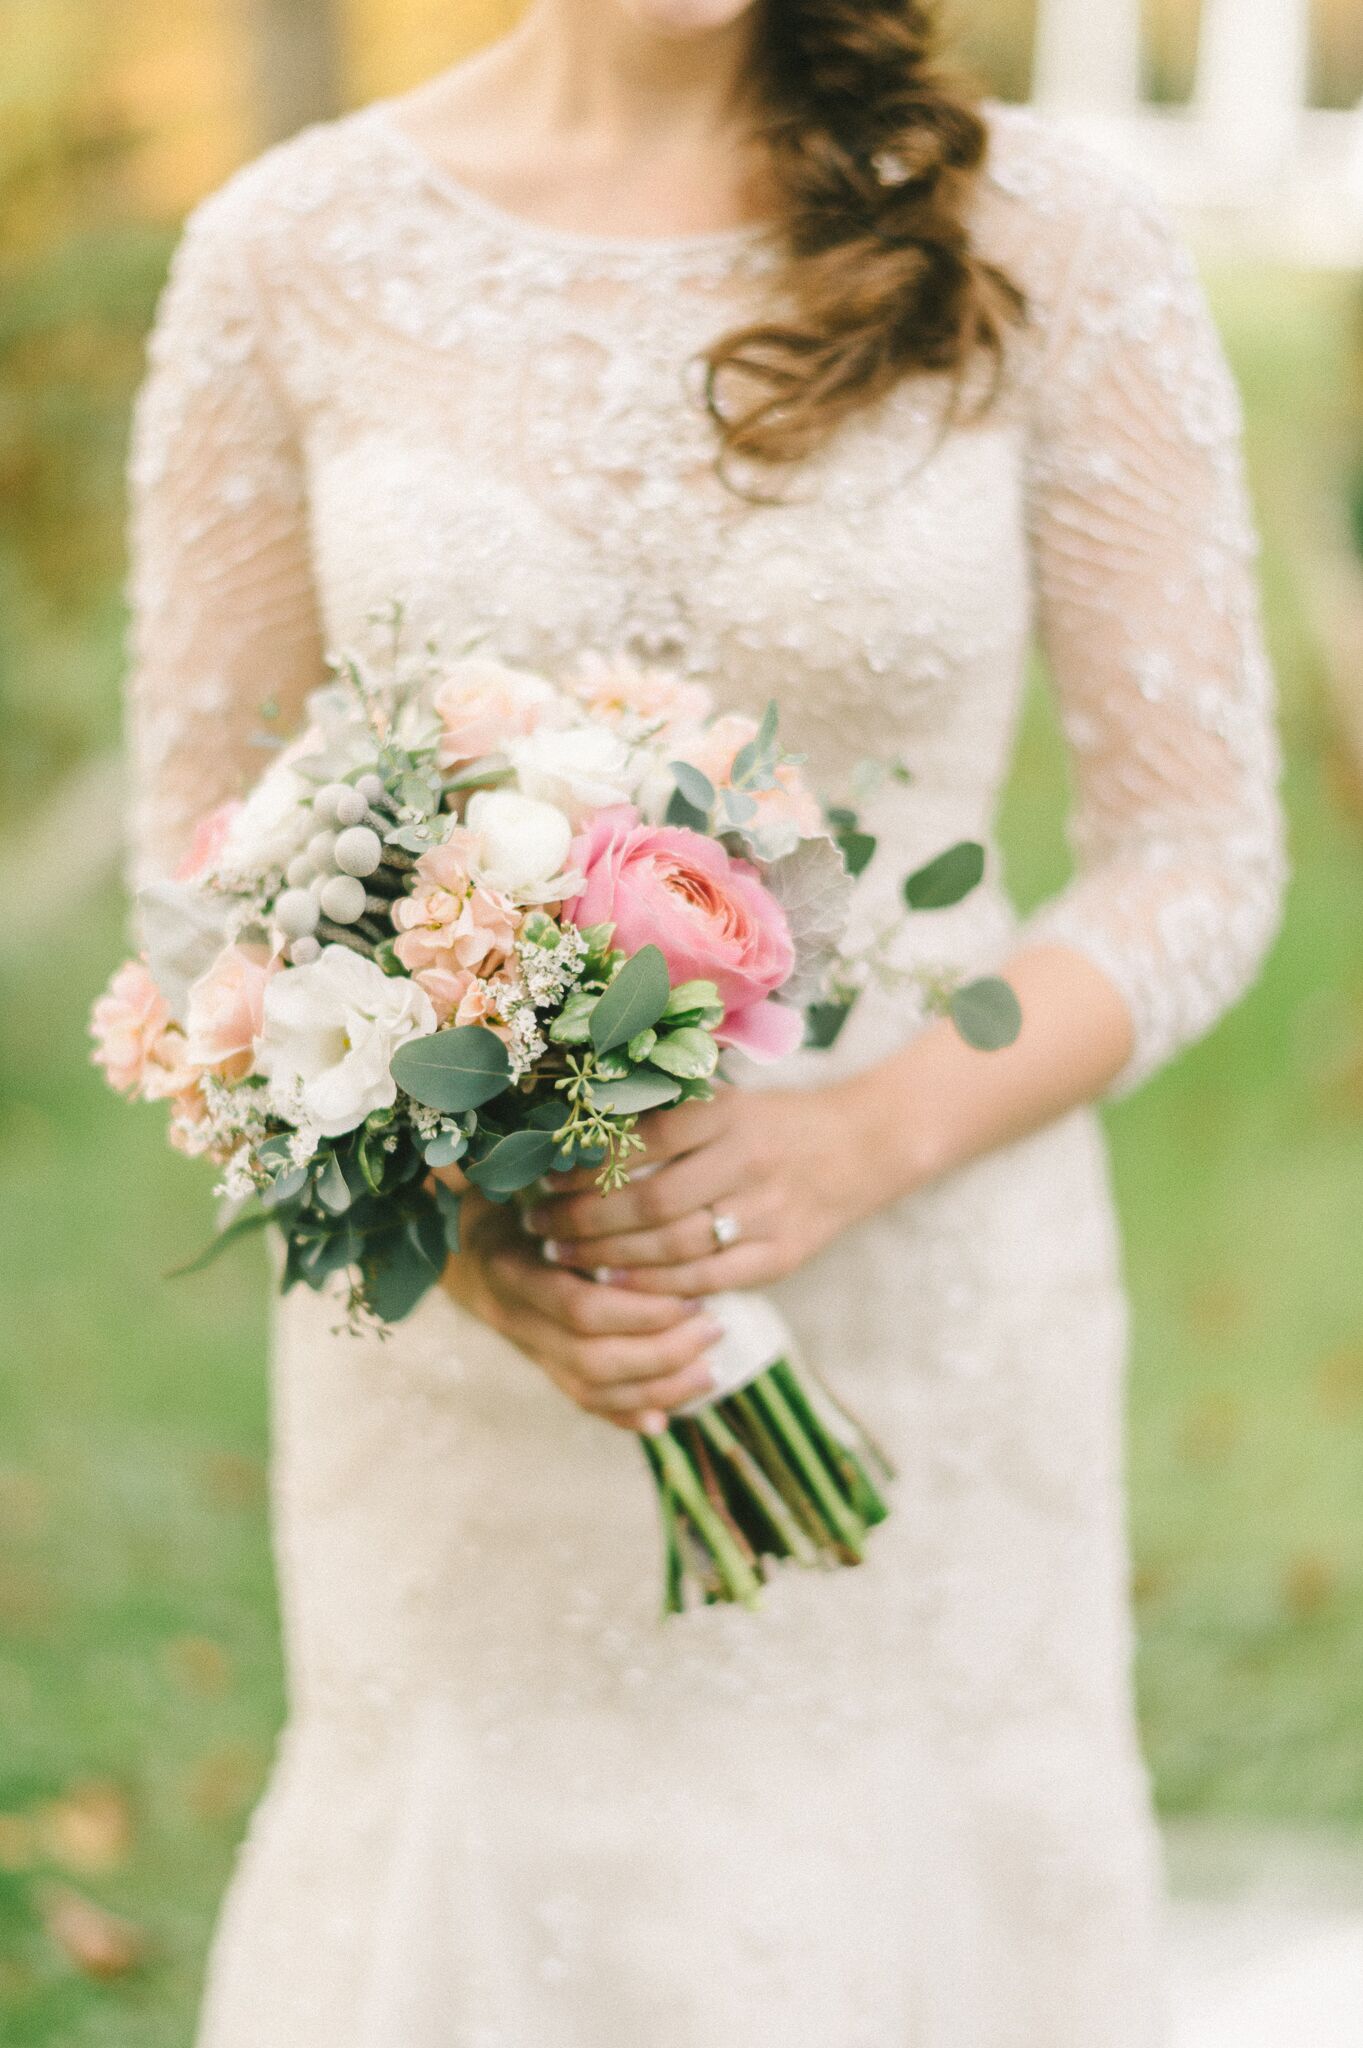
<point x="786" y="1526"/>
<point x="780" y="1468"/>
<point x="703" y="1465"/>
<point x="843" y="1449"/>
<point x="737" y="1576"/>
<point x="673" y="1570"/>
<point x="847" y="1525"/>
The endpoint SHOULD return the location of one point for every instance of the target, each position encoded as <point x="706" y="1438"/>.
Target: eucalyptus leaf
<point x="680" y="812"/>
<point x="823" y="1023"/>
<point x="942" y="882"/>
<point x="986" y="1013"/>
<point x="858" y="850"/>
<point x="397" y="1274"/>
<point x="454" y="1070"/>
<point x="514" y="1163"/>
<point x="736" y="808"/>
<point x="286" y="1188"/>
<point x="331" y="1187"/>
<point x="696" y="789"/>
<point x="635" y="999"/>
<point x="425" y="1226"/>
<point x="635" y="1094"/>
<point x="446" y="1149"/>
<point x="449" y="1204"/>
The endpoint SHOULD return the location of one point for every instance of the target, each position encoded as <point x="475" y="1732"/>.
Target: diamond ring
<point x="724" y="1228"/>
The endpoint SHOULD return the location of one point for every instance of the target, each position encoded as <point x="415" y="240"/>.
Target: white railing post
<point x="1088" y="57"/>
<point x="1253" y="73"/>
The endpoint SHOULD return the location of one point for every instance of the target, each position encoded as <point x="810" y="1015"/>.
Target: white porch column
<point x="1253" y="73"/>
<point x="1088" y="57"/>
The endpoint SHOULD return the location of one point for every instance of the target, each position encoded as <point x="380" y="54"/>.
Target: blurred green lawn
<point x="137" y="1620"/>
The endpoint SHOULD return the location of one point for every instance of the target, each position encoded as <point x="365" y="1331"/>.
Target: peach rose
<point x="135" y="1041"/>
<point x="226" y="1010"/>
<point x="708" y="914"/>
<point x="482" y="705"/>
<point x="714" y="752"/>
<point x="619" y="690"/>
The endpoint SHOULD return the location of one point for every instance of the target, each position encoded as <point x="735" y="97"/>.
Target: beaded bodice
<point x="370" y="384"/>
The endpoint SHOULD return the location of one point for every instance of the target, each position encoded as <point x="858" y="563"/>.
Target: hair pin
<point x="890" y="168"/>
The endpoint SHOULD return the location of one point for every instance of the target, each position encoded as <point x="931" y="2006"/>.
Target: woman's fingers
<point x="646" y="1202"/>
<point x="619" y="1377"/>
<point x="584" y="1308"/>
<point x="667" y="1134"/>
<point x="752" y="1264"/>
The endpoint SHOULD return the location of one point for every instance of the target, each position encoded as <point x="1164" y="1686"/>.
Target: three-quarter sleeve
<point x="224" y="620"/>
<point x="1147" y="609"/>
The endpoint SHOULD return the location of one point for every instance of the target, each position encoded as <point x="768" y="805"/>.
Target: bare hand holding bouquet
<point x="475" y="917"/>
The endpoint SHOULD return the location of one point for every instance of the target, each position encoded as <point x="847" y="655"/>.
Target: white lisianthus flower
<point x="183" y="929"/>
<point x="328" y="1038"/>
<point x="523" y="843"/>
<point x="585" y="769"/>
<point x="273" y="824"/>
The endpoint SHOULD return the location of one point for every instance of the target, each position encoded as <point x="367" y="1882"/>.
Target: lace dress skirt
<point x="901" y="1805"/>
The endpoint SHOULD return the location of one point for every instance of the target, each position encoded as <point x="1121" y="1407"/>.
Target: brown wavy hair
<point x="872" y="152"/>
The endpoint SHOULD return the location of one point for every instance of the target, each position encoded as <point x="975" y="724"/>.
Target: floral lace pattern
<point x="367" y="383"/>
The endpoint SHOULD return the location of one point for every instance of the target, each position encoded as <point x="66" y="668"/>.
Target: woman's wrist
<point x="890" y="1142"/>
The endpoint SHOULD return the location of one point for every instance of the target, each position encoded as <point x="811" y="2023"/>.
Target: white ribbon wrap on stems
<point x="755" y="1335"/>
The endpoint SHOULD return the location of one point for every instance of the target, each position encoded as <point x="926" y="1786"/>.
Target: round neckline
<point x="471" y="201"/>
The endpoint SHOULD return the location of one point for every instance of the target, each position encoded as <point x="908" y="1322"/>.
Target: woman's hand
<point x="625" y="1357"/>
<point x="788" y="1167"/>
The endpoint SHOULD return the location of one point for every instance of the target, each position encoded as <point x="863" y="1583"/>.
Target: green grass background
<point x="137" y="1616"/>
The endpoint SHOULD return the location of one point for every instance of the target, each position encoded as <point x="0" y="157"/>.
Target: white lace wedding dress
<point x="902" y="1807"/>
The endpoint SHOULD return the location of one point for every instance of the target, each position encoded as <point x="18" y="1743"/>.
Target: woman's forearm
<point x="937" y="1103"/>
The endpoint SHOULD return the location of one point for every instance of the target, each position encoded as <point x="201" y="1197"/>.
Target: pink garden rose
<point x="226" y="1011"/>
<point x="139" y="1048"/>
<point x="707" y="913"/>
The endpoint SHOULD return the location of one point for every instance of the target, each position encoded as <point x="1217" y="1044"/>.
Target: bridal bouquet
<point x="472" y="916"/>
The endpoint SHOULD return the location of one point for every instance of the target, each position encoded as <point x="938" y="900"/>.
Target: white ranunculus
<point x="523" y="842"/>
<point x="329" y="1034"/>
<point x="273" y="824"/>
<point x="183" y="929"/>
<point x="582" y="770"/>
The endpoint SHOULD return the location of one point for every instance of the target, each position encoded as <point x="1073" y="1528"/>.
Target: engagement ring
<point x="725" y="1229"/>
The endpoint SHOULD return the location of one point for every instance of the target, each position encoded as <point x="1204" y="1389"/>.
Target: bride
<point x="731" y="335"/>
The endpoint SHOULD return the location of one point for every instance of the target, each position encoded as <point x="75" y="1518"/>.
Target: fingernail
<point x="713" y="1330"/>
<point x="550" y="1252"/>
<point x="652" y="1424"/>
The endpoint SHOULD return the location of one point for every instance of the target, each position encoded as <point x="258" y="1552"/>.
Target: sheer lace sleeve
<point x="1143" y="555"/>
<point x="224" y="617"/>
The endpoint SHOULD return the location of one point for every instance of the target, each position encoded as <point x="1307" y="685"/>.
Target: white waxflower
<point x="523" y="843"/>
<point x="328" y="1038"/>
<point x="582" y="770"/>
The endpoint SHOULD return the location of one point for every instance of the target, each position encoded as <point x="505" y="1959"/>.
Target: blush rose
<point x="707" y="913"/>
